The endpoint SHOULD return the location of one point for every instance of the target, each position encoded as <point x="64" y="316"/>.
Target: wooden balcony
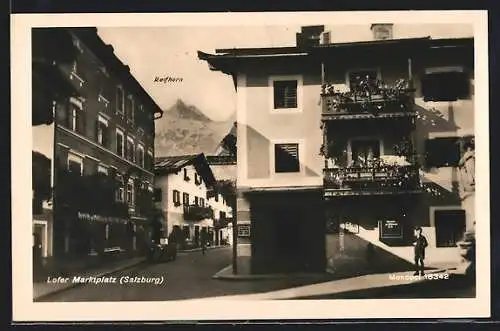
<point x="371" y="101"/>
<point x="197" y="213"/>
<point x="371" y="180"/>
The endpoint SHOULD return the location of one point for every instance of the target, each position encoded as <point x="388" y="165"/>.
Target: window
<point x="244" y="230"/>
<point x="442" y="152"/>
<point x="285" y="94"/>
<point x="176" y="198"/>
<point x="130" y="192"/>
<point x="102" y="131"/>
<point x="216" y="197"/>
<point x="196" y="201"/>
<point x="197" y="179"/>
<point x="140" y="155"/>
<point x="202" y="202"/>
<point x="364" y="152"/>
<point x="185" y="199"/>
<point x="102" y="169"/>
<point x="450" y="227"/>
<point x="186" y="177"/>
<point x="359" y="76"/>
<point x="130" y="149"/>
<point x="222" y="215"/>
<point x="119" y="142"/>
<point x="120" y="191"/>
<point x="286" y="158"/>
<point x="445" y="85"/>
<point x="157" y="194"/>
<point x="130" y="109"/>
<point x="75" y="164"/>
<point x="75" y="116"/>
<point x="120" y="100"/>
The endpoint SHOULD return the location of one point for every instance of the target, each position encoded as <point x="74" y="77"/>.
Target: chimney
<point x="309" y="36"/>
<point x="382" y="31"/>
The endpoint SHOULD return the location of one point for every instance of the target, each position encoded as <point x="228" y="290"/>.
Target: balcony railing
<point x="197" y="213"/>
<point x="371" y="180"/>
<point x="373" y="99"/>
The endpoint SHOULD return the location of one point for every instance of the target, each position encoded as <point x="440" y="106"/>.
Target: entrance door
<point x="288" y="239"/>
<point x="38" y="241"/>
<point x="450" y="227"/>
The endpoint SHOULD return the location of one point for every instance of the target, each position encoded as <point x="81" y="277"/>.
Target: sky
<point x="172" y="52"/>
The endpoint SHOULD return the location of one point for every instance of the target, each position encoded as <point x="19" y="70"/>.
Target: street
<point x="189" y="277"/>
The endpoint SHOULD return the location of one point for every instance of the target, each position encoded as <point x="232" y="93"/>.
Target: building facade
<point x="182" y="191"/>
<point x="334" y="142"/>
<point x="48" y="86"/>
<point x="103" y="153"/>
<point x="223" y="201"/>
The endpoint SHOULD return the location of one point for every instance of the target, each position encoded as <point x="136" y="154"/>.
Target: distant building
<point x="182" y="190"/>
<point x="224" y="169"/>
<point x="103" y="143"/>
<point x="375" y="158"/>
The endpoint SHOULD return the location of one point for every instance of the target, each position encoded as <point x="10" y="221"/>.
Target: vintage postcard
<point x="250" y="166"/>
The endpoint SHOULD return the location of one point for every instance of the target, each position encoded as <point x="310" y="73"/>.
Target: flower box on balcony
<point x="376" y="178"/>
<point x="371" y="98"/>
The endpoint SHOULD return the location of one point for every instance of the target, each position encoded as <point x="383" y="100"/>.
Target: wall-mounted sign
<point x="390" y="229"/>
<point x="243" y="230"/>
<point x="99" y="218"/>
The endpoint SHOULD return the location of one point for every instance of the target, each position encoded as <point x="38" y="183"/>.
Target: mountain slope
<point x="184" y="129"/>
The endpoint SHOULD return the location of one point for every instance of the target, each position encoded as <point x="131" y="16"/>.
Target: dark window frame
<point x="449" y="85"/>
<point x="185" y="198"/>
<point x="292" y="163"/>
<point x="439" y="155"/>
<point x="285" y="94"/>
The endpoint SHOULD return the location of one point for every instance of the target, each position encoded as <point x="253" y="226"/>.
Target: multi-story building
<point x="182" y="190"/>
<point x="358" y="137"/>
<point x="50" y="48"/>
<point x="223" y="200"/>
<point x="103" y="147"/>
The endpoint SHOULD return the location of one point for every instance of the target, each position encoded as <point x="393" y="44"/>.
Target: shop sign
<point x="99" y="218"/>
<point x="390" y="229"/>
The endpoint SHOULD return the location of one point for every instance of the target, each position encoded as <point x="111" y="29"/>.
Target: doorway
<point x="365" y="151"/>
<point x="289" y="238"/>
<point x="450" y="227"/>
<point x="39" y="240"/>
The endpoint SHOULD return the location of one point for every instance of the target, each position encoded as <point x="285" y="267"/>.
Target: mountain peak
<point x="181" y="110"/>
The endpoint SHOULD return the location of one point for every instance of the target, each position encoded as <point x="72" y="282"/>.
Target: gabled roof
<point x="173" y="164"/>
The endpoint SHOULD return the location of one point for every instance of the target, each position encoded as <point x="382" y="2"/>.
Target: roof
<point x="104" y="52"/>
<point x="173" y="164"/>
<point x="223" y="59"/>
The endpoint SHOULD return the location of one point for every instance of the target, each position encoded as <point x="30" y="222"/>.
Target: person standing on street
<point x="203" y="242"/>
<point x="420" y="243"/>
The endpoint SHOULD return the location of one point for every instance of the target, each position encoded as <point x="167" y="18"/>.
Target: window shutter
<point x="286" y="158"/>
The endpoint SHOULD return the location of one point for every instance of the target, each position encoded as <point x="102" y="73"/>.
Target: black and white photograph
<point x="267" y="166"/>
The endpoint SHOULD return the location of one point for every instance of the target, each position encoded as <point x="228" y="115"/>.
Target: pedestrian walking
<point x="420" y="243"/>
